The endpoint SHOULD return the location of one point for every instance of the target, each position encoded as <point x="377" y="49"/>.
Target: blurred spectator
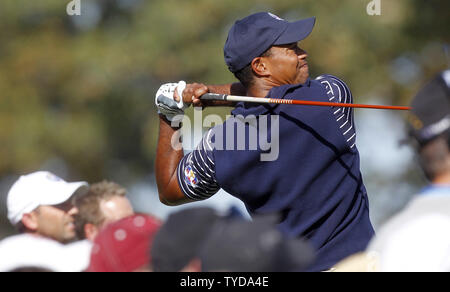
<point x="40" y="203"/>
<point x="176" y="245"/>
<point x="124" y="246"/>
<point x="256" y="246"/>
<point x="212" y="243"/>
<point x="418" y="238"/>
<point x="29" y="253"/>
<point x="104" y="203"/>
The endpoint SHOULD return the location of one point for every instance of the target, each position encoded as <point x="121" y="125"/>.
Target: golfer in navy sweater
<point x="310" y="176"/>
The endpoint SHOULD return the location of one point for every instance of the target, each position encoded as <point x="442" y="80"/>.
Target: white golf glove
<point x="166" y="104"/>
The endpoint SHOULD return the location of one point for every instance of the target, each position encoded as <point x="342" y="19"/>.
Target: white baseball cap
<point x="36" y="189"/>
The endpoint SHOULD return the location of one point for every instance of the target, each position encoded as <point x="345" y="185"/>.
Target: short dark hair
<point x="20" y="227"/>
<point x="88" y="204"/>
<point x="246" y="75"/>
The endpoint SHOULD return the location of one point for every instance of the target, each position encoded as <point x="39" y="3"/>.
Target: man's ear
<point x="90" y="231"/>
<point x="30" y="221"/>
<point x="259" y="67"/>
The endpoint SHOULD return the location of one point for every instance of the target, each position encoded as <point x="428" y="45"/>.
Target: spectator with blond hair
<point x="104" y="203"/>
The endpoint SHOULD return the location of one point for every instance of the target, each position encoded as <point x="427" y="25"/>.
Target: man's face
<point x="287" y="64"/>
<point x="112" y="210"/>
<point x="57" y="222"/>
<point x="115" y="209"/>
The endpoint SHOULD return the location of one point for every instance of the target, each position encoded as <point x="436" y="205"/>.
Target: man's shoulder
<point x="436" y="201"/>
<point x="420" y="205"/>
<point x="329" y="78"/>
<point x="332" y="83"/>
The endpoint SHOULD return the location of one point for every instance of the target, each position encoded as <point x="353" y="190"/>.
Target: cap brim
<point x="63" y="193"/>
<point x="296" y="31"/>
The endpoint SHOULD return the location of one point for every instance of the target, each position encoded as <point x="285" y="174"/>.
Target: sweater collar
<point x="280" y="92"/>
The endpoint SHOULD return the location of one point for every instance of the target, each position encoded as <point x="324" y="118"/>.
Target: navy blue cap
<point x="255" y="34"/>
<point x="430" y="110"/>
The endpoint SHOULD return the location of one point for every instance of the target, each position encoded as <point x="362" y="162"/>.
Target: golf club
<point x="226" y="97"/>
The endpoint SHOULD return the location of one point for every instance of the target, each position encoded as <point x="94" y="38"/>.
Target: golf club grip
<point x="213" y="96"/>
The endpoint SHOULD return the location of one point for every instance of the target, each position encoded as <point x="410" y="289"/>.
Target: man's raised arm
<point x="171" y="110"/>
<point x="168" y="157"/>
<point x="167" y="160"/>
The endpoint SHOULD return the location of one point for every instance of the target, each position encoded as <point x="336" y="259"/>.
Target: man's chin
<point x="69" y="237"/>
<point x="303" y="77"/>
<point x="70" y="240"/>
<point x="302" y="80"/>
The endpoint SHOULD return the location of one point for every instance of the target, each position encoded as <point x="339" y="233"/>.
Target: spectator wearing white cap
<point x="40" y="203"/>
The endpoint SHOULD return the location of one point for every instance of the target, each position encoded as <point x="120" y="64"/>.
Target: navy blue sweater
<point x="314" y="184"/>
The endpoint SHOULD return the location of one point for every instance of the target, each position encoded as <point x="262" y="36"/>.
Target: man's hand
<point x="192" y="93"/>
<point x="166" y="103"/>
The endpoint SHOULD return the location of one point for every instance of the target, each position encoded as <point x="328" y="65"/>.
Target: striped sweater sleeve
<point x="338" y="91"/>
<point x="196" y="171"/>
